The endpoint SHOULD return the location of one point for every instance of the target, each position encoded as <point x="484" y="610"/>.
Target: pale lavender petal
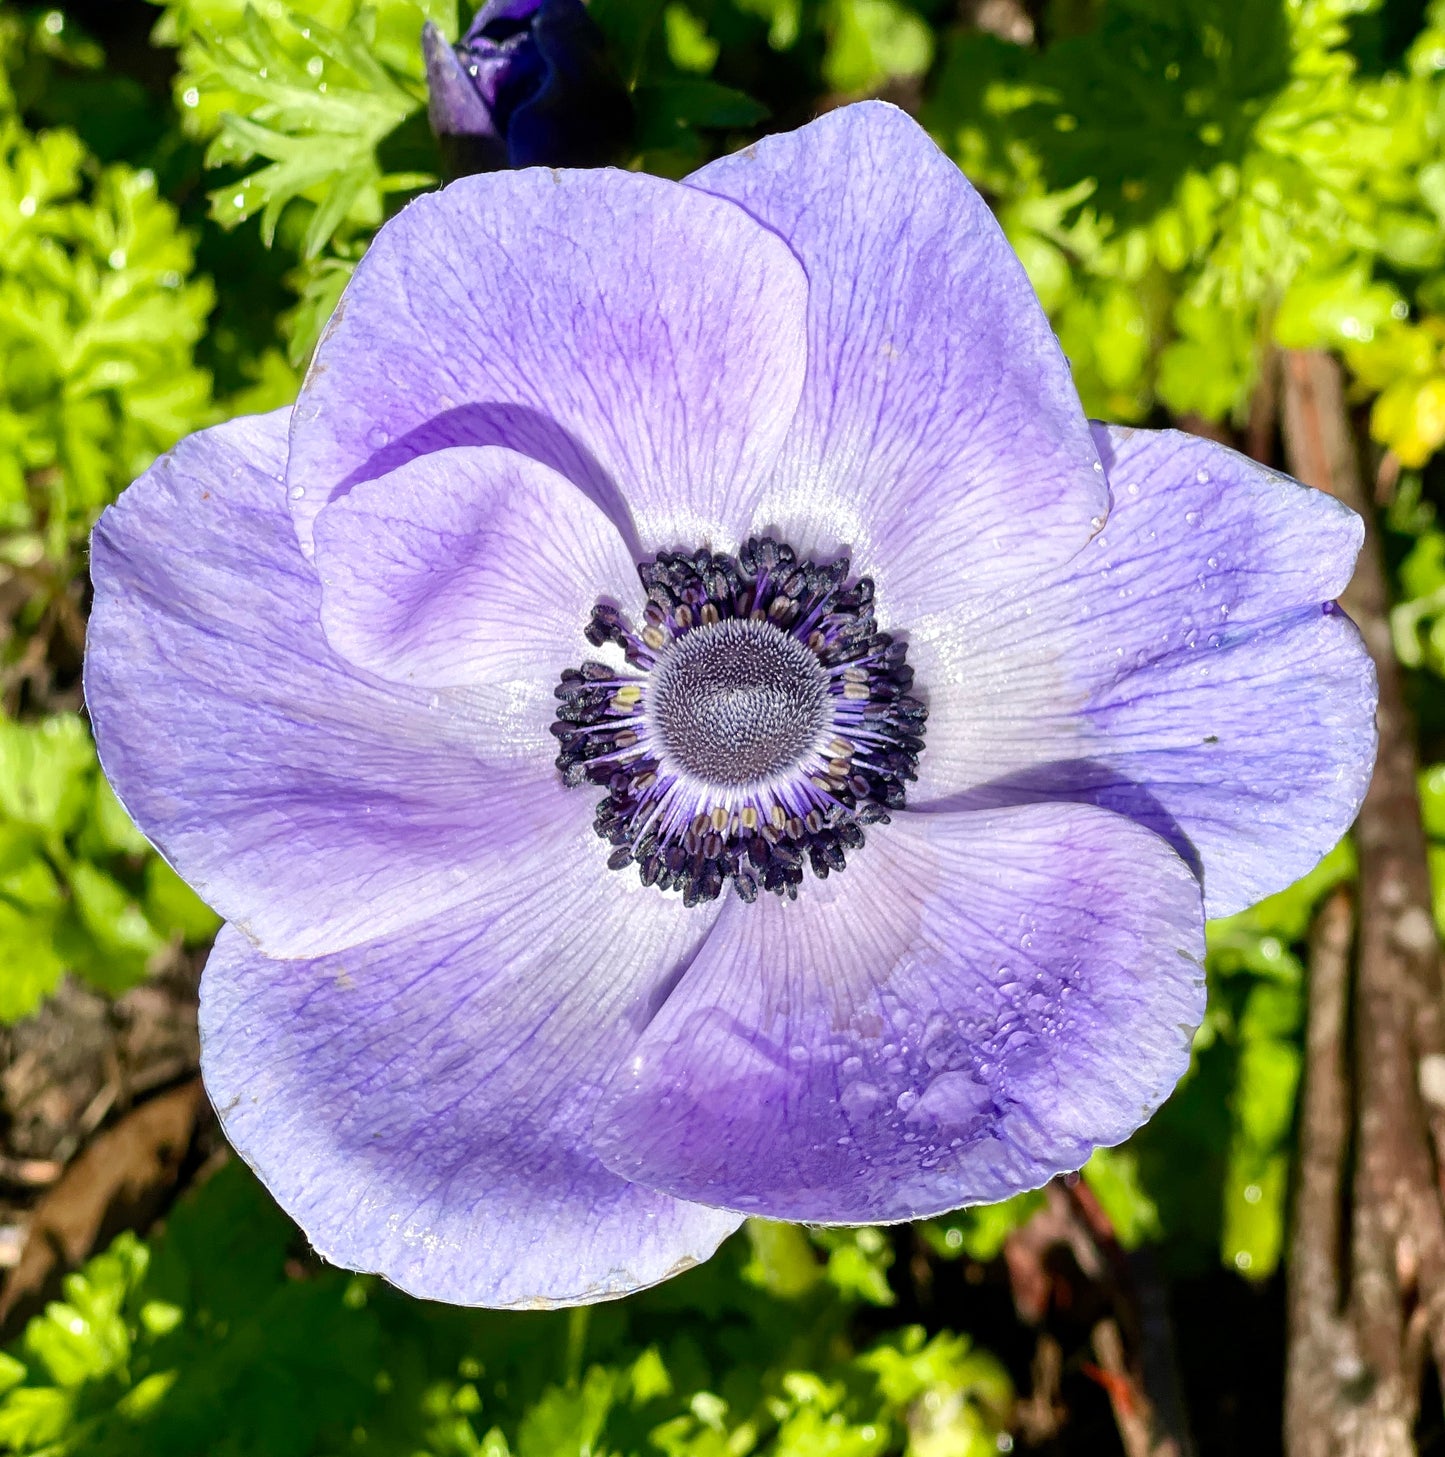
<point x="419" y="1105"/>
<point x="473" y="565"/>
<point x="311" y="804"/>
<point x="1188" y="669"/>
<point x="638" y="336"/>
<point x="971" y="1007"/>
<point x="940" y="436"/>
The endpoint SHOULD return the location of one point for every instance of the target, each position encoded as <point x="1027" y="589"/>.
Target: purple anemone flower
<point x="530" y="85"/>
<point x="685" y="718"/>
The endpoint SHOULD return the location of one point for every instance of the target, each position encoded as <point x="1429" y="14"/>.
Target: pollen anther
<point x="764" y="722"/>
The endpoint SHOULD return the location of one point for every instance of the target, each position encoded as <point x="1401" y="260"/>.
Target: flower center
<point x="737" y="702"/>
<point x="761" y="723"/>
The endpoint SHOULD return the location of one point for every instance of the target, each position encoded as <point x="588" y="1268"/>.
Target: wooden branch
<point x="1321" y="1344"/>
<point x="1397" y="1236"/>
<point x="1263" y="422"/>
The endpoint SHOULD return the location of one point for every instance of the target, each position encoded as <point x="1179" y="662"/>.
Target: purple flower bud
<point x="530" y="84"/>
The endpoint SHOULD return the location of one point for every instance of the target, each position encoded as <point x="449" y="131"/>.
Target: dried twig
<point x="1149" y="1418"/>
<point x="1134" y="1414"/>
<point x="1040" y="1416"/>
<point x="1007" y="19"/>
<point x="122" y="1179"/>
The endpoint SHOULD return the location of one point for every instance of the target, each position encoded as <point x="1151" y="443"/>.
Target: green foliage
<point x="314" y="118"/>
<point x="79" y="889"/>
<point x="312" y="93"/>
<point x="858" y="1261"/>
<point x="1417" y="621"/>
<point x="99" y="319"/>
<point x="872" y="42"/>
<point x="980" y="1232"/>
<point x="216" y="1340"/>
<point x="1403" y="364"/>
<point x="1188" y="182"/>
<point x="1432" y="803"/>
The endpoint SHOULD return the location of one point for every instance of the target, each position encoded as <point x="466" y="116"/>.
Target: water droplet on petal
<point x="955" y="1099"/>
<point x="860" y="1099"/>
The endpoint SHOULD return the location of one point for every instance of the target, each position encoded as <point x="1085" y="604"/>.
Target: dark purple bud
<point x="530" y="84"/>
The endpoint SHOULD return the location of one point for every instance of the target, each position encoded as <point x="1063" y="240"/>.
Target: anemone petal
<point x="307" y="801"/>
<point x="1187" y="668"/>
<point x="939" y="436"/>
<point x="419" y="1104"/>
<point x="976" y="1003"/>
<point x="642" y="338"/>
<point x="473" y="565"/>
